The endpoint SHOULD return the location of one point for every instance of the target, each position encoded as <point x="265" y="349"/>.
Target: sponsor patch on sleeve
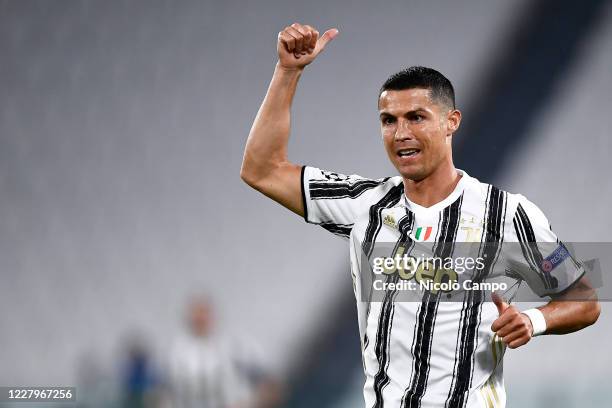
<point x="555" y="258"/>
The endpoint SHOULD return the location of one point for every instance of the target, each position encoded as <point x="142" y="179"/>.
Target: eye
<point x="387" y="120"/>
<point x="417" y="118"/>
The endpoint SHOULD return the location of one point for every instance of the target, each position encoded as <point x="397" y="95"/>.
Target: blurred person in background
<point x="140" y="381"/>
<point x="208" y="370"/>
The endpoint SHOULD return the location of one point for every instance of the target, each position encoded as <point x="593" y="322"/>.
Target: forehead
<point x="405" y="100"/>
<point x="198" y="307"/>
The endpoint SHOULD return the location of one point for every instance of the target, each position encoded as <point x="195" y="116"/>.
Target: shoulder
<point x="488" y="191"/>
<point x="512" y="201"/>
<point x="325" y="184"/>
<point x="315" y="174"/>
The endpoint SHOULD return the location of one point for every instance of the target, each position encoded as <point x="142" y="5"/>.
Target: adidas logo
<point x="390" y="221"/>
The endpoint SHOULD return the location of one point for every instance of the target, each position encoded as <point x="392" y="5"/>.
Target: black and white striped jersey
<point x="431" y="353"/>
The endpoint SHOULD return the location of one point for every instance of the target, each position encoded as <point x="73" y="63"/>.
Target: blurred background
<point x="126" y="233"/>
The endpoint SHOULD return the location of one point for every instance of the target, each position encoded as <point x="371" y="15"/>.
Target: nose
<point x="403" y="131"/>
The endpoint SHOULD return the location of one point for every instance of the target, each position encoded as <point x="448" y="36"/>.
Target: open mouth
<point x="408" y="153"/>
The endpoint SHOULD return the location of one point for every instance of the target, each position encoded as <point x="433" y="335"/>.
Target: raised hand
<point x="298" y="45"/>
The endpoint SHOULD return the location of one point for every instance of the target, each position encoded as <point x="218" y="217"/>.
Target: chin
<point x="412" y="174"/>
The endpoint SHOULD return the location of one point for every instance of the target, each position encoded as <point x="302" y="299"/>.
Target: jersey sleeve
<point x="539" y="257"/>
<point x="334" y="201"/>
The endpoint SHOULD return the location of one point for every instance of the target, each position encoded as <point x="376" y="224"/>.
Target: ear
<point x="453" y="121"/>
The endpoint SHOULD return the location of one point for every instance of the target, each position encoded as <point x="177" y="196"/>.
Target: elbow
<point x="246" y="169"/>
<point x="249" y="174"/>
<point x="589" y="314"/>
<point x="256" y="172"/>
<point x="593" y="313"/>
<point x="246" y="175"/>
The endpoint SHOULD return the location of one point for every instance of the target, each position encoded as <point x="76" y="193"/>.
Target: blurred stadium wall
<point x="122" y="126"/>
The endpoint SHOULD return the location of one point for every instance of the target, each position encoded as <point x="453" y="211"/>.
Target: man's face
<point x="200" y="318"/>
<point x="416" y="131"/>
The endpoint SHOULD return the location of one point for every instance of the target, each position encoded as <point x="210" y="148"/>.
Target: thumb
<point x="326" y="38"/>
<point x="499" y="302"/>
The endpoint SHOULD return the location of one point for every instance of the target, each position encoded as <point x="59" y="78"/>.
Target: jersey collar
<point x="412" y="206"/>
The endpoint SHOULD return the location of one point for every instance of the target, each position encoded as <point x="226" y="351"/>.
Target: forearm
<point x="266" y="146"/>
<point x="564" y="317"/>
<point x="265" y="166"/>
<point x="567" y="313"/>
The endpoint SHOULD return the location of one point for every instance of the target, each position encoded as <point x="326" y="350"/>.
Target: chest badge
<point x="473" y="229"/>
<point x="423" y="233"/>
<point x="389" y="220"/>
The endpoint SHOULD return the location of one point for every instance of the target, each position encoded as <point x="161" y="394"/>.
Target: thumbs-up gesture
<point x="512" y="326"/>
<point x="299" y="44"/>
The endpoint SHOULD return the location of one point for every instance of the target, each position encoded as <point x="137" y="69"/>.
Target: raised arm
<point x="265" y="165"/>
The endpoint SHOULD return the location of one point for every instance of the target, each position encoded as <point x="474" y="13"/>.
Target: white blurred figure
<point x="208" y="370"/>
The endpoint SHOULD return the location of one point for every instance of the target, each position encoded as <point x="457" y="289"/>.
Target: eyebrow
<point x="410" y="112"/>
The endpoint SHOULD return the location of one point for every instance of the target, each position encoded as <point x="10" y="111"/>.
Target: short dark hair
<point x="440" y="88"/>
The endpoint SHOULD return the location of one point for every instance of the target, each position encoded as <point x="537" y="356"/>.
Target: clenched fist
<point x="298" y="45"/>
<point x="512" y="326"/>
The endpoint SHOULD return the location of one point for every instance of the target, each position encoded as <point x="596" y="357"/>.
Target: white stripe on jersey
<point x="430" y="353"/>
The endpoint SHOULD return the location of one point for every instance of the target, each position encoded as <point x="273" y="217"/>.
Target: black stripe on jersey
<point x="494" y="240"/>
<point x="445" y="244"/>
<point x="385" y="319"/>
<point x="390" y="199"/>
<point x="526" y="235"/>
<point x="343" y="230"/>
<point x="374" y="224"/>
<point x="304" y="203"/>
<point x="467" y="336"/>
<point x="420" y="311"/>
<point x="421" y="349"/>
<point x="341" y="189"/>
<point x="493" y="230"/>
<point x="529" y="246"/>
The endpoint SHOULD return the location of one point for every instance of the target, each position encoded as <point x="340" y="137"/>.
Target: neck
<point x="433" y="188"/>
